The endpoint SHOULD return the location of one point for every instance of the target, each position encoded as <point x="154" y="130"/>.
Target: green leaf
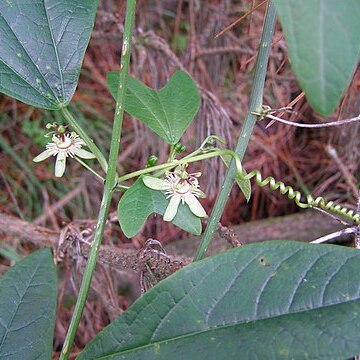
<point x="139" y="202"/>
<point x="272" y="300"/>
<point x="28" y="293"/>
<point x="244" y="184"/>
<point x="42" y="44"/>
<point x="168" y="111"/>
<point x="323" y="39"/>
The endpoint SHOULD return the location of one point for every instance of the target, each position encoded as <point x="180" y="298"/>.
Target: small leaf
<point x="244" y="184"/>
<point x="273" y="300"/>
<point x="168" y="111"/>
<point x="28" y="293"/>
<point x="139" y="202"/>
<point x="42" y="44"/>
<point x="323" y="38"/>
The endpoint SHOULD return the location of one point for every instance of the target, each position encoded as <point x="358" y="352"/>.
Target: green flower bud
<point x="179" y="148"/>
<point x="61" y="129"/>
<point x="152" y="160"/>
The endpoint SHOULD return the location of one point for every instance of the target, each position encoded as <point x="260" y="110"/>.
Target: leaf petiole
<point x="88" y="141"/>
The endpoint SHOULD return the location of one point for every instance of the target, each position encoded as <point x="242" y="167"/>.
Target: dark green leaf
<point x="28" y="293"/>
<point x="273" y="300"/>
<point x="323" y="38"/>
<point x="140" y="201"/>
<point x="168" y="111"/>
<point x="42" y="44"/>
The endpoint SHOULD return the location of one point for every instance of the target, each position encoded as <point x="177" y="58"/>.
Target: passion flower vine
<point x="179" y="186"/>
<point x="63" y="145"/>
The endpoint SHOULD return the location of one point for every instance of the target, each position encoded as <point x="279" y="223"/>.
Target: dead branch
<point x="305" y="226"/>
<point x="78" y="236"/>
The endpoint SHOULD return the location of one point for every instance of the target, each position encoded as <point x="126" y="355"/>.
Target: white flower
<point x="181" y="187"/>
<point x="62" y="146"/>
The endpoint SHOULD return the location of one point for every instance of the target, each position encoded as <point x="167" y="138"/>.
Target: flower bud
<point x="179" y="148"/>
<point x="61" y="129"/>
<point x="152" y="160"/>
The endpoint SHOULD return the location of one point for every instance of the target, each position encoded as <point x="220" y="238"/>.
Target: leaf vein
<point x="39" y="72"/>
<point x="56" y="51"/>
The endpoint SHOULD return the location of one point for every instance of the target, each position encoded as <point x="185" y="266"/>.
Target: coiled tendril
<point x="296" y="196"/>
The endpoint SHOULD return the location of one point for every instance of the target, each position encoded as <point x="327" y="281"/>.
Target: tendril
<point x="295" y="195"/>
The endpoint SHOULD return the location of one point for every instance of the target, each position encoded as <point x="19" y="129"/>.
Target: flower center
<point x="182" y="187"/>
<point x="66" y="144"/>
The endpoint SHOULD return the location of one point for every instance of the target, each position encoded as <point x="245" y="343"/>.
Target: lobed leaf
<point x="139" y="202"/>
<point x="168" y="111"/>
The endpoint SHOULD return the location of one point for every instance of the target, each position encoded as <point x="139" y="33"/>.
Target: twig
<point x="13" y="198"/>
<point x="224" y="50"/>
<point x="49" y="210"/>
<point x="59" y="204"/>
<point x="193" y="39"/>
<point x="328" y="124"/>
<point x="349" y="178"/>
<point x="341" y="221"/>
<point x="326" y="238"/>
<point x="290" y="105"/>
<point x="229" y="235"/>
<point x="238" y="20"/>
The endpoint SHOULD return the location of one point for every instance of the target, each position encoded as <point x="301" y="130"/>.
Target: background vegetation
<point x="171" y="35"/>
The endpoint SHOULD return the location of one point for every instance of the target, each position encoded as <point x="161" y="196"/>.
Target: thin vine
<point x="295" y="195"/>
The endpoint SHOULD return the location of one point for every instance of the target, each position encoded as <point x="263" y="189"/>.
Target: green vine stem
<point x="204" y="153"/>
<point x="246" y="131"/>
<point x="295" y="195"/>
<point x="88" y="141"/>
<point x="110" y="181"/>
<point x="186" y="160"/>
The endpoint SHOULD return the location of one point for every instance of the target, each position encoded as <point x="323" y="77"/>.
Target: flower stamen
<point x="179" y="186"/>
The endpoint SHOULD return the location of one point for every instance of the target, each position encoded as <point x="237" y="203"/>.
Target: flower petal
<point x="172" y="208"/>
<point x="60" y="164"/>
<point x="195" y="206"/>
<point x="42" y="156"/>
<point x="84" y="154"/>
<point x="155" y="183"/>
